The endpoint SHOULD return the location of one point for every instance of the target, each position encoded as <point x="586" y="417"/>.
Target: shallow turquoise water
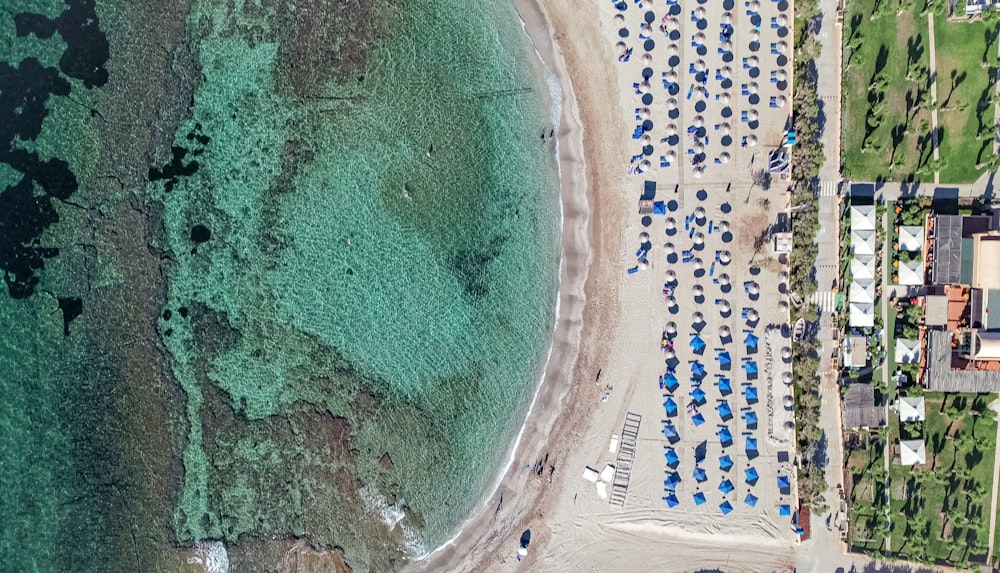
<point x="352" y="328"/>
<point x="431" y="279"/>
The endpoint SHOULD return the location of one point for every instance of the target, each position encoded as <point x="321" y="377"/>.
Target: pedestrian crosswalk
<point x="827" y="188"/>
<point x="827" y="300"/>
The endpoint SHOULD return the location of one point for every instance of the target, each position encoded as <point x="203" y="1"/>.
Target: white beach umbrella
<point x="699" y="65"/>
<point x="620" y="46"/>
<point x="786" y="377"/>
<point x="673" y="49"/>
<point x="644" y="236"/>
<point x="754" y="5"/>
<point x="724" y="331"/>
<point x="726" y="46"/>
<point x="789" y="425"/>
<point x="699" y="12"/>
<point x="671" y="102"/>
<point x="751" y="140"/>
<point x="724" y="308"/>
<point x="724" y="279"/>
<point x="646" y="139"/>
<point x="755" y="36"/>
<point x="670" y="354"/>
<point x="671" y="129"/>
<point x="727" y="18"/>
<point x="726" y="72"/>
<point x="788" y="401"/>
<point x="669" y="248"/>
<point x="699" y="213"/>
<point x="783" y="276"/>
<point x="698" y="318"/>
<point x="781" y="46"/>
<point x="724" y="128"/>
<point x="671" y="302"/>
<point x="619" y="18"/>
<point x="672" y="24"/>
<point x="786" y="353"/>
<point x="643" y="266"/>
<point x="781" y="75"/>
<point x="782" y="20"/>
<point x="671" y="327"/>
<point x="697" y="174"/>
<point x="671" y="156"/>
<point x="699" y="121"/>
<point x="753" y="61"/>
<point x="697" y="265"/>
<point x="698" y="290"/>
<point x="780" y="101"/>
<point x="783" y="304"/>
<point x="671" y="276"/>
<point x="752" y="115"/>
<point x="699" y="147"/>
<point x="753" y="288"/>
<point x="725" y="257"/>
<point x="647" y="58"/>
<point x="699" y="38"/>
<point x="753" y="315"/>
<point x="671" y="224"/>
<point x="724" y="157"/>
<point x="645" y="28"/>
<point x="645" y="164"/>
<point x="672" y="78"/>
<point x="724" y="98"/>
<point x="644" y="113"/>
<point x="723" y="227"/>
<point x="699" y="239"/>
<point x="752" y="87"/>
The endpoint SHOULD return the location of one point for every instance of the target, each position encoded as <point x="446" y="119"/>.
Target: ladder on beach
<point x="626" y="455"/>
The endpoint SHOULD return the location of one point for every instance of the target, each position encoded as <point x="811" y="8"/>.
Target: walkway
<point x="993" y="495"/>
<point x="934" y="99"/>
<point x="886" y="286"/>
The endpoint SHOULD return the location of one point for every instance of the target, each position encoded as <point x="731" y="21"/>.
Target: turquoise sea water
<point x="355" y="225"/>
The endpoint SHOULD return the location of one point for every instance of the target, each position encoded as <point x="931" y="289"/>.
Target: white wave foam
<point x="211" y="555"/>
<point x="392" y="516"/>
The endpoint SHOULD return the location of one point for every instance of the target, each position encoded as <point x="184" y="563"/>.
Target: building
<point x="907" y="351"/>
<point x="861" y="293"/>
<point x="860" y="409"/>
<point x="911" y="409"/>
<point x="911" y="238"/>
<point x="855" y="351"/>
<point x="912" y="453"/>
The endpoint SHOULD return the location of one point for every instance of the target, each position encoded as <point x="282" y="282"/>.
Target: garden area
<point x="865" y="483"/>
<point x="887" y="108"/>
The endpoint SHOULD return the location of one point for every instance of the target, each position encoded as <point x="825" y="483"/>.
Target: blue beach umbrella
<point x="725" y="436"/>
<point x="670" y="406"/>
<point x="699" y="498"/>
<point x="751" y="393"/>
<point x="669" y="431"/>
<point x="724" y="358"/>
<point x="698" y="419"/>
<point x="726" y="486"/>
<point x="725" y="386"/>
<point x="784" y="483"/>
<point x="698" y="395"/>
<point x="671" y="500"/>
<point x="752" y="475"/>
<point x="751" y="500"/>
<point x="725" y="412"/>
<point x="751" y="444"/>
<point x="750" y="367"/>
<point x="671" y="457"/>
<point x="726" y="508"/>
<point x="750" y="417"/>
<point x="700" y="475"/>
<point x="697" y="344"/>
<point x="725" y="463"/>
<point x="673" y="478"/>
<point x="670" y="380"/>
<point x="784" y="510"/>
<point x="751" y="340"/>
<point x="697" y="369"/>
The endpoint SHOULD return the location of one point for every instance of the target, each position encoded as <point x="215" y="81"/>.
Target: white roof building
<point x="911" y="409"/>
<point x="862" y="291"/>
<point x="911" y="273"/>
<point x="863" y="267"/>
<point x="862" y="242"/>
<point x="912" y="452"/>
<point x="907" y="351"/>
<point x="911" y="238"/>
<point x="862" y="217"/>
<point x="862" y="315"/>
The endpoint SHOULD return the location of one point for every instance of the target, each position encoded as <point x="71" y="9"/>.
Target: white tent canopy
<point x="907" y="351"/>
<point x="911" y="409"/>
<point x="911" y="238"/>
<point x="911" y="273"/>
<point x="863" y="242"/>
<point x="863" y="267"/>
<point x="862" y="217"/>
<point x="912" y="452"/>
<point x="862" y="291"/>
<point x="862" y="315"/>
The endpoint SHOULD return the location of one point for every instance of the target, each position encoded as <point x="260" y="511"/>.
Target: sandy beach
<point x="606" y="355"/>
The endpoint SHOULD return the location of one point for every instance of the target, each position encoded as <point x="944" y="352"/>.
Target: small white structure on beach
<point x="590" y="474"/>
<point x="863" y="267"/>
<point x="862" y="217"/>
<point x="907" y="351"/>
<point x="911" y="238"/>
<point x="912" y="452"/>
<point x="862" y="315"/>
<point x="911" y="409"/>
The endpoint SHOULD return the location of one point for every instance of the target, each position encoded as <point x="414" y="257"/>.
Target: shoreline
<point x="557" y="408"/>
<point x="561" y="409"/>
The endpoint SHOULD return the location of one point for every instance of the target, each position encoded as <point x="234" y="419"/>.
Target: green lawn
<point x="892" y="151"/>
<point x="966" y="54"/>
<point x="940" y="511"/>
<point x="865" y="500"/>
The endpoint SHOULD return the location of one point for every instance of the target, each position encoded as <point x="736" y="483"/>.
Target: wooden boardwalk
<point x="626" y="455"/>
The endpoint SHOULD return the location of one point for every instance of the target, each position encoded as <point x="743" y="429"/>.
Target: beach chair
<point x="774" y="23"/>
<point x="774" y="102"/>
<point x="745" y="313"/>
<point x="746" y="66"/>
<point x="664" y="162"/>
<point x="743" y="116"/>
<point x="711" y="270"/>
<point x="693" y="17"/>
<point x="690" y="91"/>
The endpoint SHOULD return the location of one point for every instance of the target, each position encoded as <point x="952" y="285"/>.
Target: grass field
<point x="897" y="146"/>
<point x="940" y="511"/>
<point x="865" y="499"/>
<point x="892" y="150"/>
<point x="966" y="54"/>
